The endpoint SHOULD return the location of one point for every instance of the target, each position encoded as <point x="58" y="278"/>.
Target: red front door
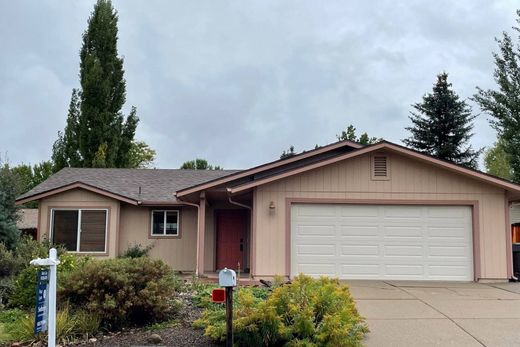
<point x="231" y="231"/>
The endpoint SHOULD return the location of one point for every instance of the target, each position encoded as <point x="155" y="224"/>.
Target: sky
<point x="238" y="82"/>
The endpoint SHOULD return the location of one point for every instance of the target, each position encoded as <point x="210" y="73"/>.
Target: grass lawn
<point x="4" y="337"/>
<point x="7" y="317"/>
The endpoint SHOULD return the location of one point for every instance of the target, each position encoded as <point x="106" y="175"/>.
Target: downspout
<point x="239" y="204"/>
<point x="198" y="211"/>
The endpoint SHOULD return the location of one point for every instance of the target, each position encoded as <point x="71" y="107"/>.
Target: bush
<point x="9" y="264"/>
<point x="307" y="312"/>
<point x="122" y="291"/>
<point x="137" y="251"/>
<point x="25" y="283"/>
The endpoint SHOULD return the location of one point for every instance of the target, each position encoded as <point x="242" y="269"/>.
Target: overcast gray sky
<point x="237" y="82"/>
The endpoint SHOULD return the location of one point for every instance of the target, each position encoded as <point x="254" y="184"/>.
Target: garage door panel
<point x="357" y="250"/>
<point x="316" y="250"/>
<point x="315" y="211"/>
<point x="400" y="250"/>
<point x="461" y="252"/>
<point x="403" y="231"/>
<point x="356" y="211"/>
<point x="382" y="242"/>
<point x="404" y="270"/>
<point x="447" y="232"/>
<point x="350" y="231"/>
<point x="397" y="212"/>
<point x="316" y="230"/>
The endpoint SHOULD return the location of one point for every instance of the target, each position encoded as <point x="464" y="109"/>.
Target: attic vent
<point x="380" y="167"/>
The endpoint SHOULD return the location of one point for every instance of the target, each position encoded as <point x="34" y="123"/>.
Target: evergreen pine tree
<point x="97" y="133"/>
<point x="9" y="233"/>
<point x="503" y="104"/>
<point x="442" y="125"/>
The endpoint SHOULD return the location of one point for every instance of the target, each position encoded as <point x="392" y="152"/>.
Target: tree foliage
<point x="350" y="134"/>
<point x="503" y="103"/>
<point x="97" y="133"/>
<point x="199" y="164"/>
<point x="442" y="125"/>
<point x="9" y="234"/>
<point x="288" y="153"/>
<point x="141" y="155"/>
<point x="28" y="176"/>
<point x="496" y="160"/>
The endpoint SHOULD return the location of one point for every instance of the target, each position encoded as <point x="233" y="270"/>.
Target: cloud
<point x="237" y="83"/>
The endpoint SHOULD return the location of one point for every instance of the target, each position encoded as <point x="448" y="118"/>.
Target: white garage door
<point x="399" y="242"/>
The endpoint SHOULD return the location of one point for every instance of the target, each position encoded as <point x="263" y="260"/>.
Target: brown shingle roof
<point x="157" y="185"/>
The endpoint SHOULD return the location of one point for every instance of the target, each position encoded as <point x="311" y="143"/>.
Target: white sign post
<point x="51" y="262"/>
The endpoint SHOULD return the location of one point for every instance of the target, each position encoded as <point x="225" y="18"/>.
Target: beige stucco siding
<point x="180" y="253"/>
<point x="79" y="198"/>
<point x="351" y="179"/>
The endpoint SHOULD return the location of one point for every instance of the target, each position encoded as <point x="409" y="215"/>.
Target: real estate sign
<point x="42" y="301"/>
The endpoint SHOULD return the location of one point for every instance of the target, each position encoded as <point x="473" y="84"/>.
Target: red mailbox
<point x="218" y="295"/>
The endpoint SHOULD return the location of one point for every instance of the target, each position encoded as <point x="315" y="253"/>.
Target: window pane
<point x="171" y="222"/>
<point x="93" y="225"/>
<point x="65" y="229"/>
<point x="158" y="223"/>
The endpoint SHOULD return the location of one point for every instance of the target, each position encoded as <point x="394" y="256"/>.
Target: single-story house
<point x="380" y="211"/>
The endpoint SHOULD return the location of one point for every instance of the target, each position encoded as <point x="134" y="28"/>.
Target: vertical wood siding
<point x="351" y="179"/>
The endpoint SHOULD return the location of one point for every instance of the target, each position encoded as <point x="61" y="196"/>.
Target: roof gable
<point x="385" y="145"/>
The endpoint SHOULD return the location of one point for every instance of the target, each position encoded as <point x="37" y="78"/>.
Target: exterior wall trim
<point x="474" y="204"/>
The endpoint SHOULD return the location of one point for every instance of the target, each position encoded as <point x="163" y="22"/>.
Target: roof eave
<point x="75" y="185"/>
<point x="267" y="166"/>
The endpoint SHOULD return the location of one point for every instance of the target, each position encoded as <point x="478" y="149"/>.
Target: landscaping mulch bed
<point x="181" y="333"/>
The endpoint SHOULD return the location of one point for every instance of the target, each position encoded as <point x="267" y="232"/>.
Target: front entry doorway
<point x="231" y="228"/>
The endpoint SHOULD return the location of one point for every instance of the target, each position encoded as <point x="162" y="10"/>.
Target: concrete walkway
<point x="402" y="313"/>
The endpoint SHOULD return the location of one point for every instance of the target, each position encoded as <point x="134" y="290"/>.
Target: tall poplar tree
<point x="442" y="125"/>
<point x="503" y="103"/>
<point x="97" y="133"/>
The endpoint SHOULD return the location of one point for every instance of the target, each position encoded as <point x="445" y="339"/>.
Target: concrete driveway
<point x="401" y="313"/>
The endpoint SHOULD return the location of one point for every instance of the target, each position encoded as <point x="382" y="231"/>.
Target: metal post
<point x="229" y="316"/>
<point x="52" y="298"/>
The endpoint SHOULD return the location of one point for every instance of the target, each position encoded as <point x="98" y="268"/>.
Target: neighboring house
<point x="28" y="222"/>
<point x="357" y="212"/>
<point x="515" y="214"/>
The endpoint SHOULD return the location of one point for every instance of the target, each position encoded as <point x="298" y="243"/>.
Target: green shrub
<point x="122" y="291"/>
<point x="137" y="251"/>
<point x="307" y="312"/>
<point x="24" y="291"/>
<point x="10" y="265"/>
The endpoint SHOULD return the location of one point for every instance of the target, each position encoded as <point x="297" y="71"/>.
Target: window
<point x="380" y="167"/>
<point x="80" y="230"/>
<point x="165" y="223"/>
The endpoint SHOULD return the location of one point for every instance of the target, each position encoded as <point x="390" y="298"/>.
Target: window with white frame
<point x="165" y="223"/>
<point x="80" y="230"/>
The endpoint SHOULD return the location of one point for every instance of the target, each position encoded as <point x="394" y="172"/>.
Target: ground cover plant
<point x="305" y="312"/>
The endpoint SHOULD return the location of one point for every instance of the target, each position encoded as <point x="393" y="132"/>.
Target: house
<point x="381" y="211"/>
<point x="28" y="222"/>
